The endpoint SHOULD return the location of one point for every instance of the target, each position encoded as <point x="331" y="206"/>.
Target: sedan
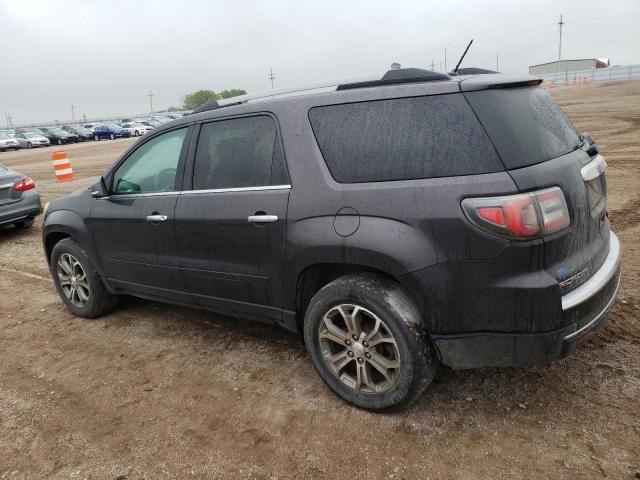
<point x="82" y="133"/>
<point x="19" y="199"/>
<point x="136" y="129"/>
<point x="110" y="130"/>
<point x="31" y="140"/>
<point x="58" y="136"/>
<point x="7" y="142"/>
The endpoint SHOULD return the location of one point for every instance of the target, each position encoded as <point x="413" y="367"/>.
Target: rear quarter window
<point x="526" y="125"/>
<point x="402" y="139"/>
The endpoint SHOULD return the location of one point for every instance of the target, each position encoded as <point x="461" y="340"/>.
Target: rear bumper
<point x="588" y="306"/>
<point x="28" y="207"/>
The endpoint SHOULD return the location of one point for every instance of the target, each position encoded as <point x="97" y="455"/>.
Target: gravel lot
<point x="154" y="391"/>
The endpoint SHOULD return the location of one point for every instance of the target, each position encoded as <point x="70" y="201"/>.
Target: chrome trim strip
<point x="6" y="185"/>
<point x="598" y="280"/>
<point x="197" y="192"/>
<point x="594" y="168"/>
<point x="262" y="218"/>
<point x="602" y="313"/>
<point x="239" y="189"/>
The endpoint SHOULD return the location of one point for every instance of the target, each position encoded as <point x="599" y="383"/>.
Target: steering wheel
<point x="165" y="179"/>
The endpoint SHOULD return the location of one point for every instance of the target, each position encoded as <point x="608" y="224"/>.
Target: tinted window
<point x="152" y="167"/>
<point x="526" y="125"/>
<point x="401" y="139"/>
<point x="241" y="152"/>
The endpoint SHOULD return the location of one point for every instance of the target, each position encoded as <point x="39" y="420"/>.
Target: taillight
<point x="25" y="184"/>
<point x="519" y="217"/>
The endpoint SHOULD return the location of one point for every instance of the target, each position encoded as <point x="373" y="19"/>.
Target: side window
<point x="241" y="152"/>
<point x="152" y="167"/>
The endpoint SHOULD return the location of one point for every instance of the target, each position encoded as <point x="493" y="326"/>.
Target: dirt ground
<point x="154" y="391"/>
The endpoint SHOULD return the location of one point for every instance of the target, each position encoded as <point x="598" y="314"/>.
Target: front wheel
<point x="365" y="338"/>
<point x="29" y="145"/>
<point x="136" y="133"/>
<point x="59" y="141"/>
<point x="96" y="138"/>
<point x="77" y="281"/>
<point x="112" y="136"/>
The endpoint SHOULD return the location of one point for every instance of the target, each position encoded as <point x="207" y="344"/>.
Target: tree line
<point x="195" y="99"/>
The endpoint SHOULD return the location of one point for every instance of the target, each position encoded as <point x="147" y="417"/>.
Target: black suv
<point x="398" y="223"/>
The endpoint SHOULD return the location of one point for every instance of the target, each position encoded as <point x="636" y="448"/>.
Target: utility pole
<point x="9" y="120"/>
<point x="445" y="56"/>
<point x="433" y="65"/>
<point x="73" y="117"/>
<point x="150" y="100"/>
<point x="497" y="63"/>
<point x="560" y="23"/>
<point x="271" y="77"/>
<point x="6" y="118"/>
<point x="84" y="117"/>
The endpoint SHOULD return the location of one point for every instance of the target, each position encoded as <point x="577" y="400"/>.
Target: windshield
<point x="526" y="125"/>
<point x="32" y="135"/>
<point x="4" y="136"/>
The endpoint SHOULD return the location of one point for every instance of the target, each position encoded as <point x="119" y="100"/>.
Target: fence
<point x="580" y="77"/>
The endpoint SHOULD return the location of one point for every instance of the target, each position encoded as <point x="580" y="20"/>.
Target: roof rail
<point x="392" y="77"/>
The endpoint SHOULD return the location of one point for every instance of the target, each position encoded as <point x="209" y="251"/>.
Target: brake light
<point x="25" y="184"/>
<point x="519" y="217"/>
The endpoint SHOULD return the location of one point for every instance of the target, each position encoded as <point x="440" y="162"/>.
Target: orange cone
<point x="62" y="166"/>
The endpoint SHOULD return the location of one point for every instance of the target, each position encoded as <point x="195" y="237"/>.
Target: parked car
<point x="397" y="223"/>
<point x="19" y="199"/>
<point x="148" y="122"/>
<point x="31" y="140"/>
<point x="91" y="126"/>
<point x="136" y="129"/>
<point x="8" y="143"/>
<point x="58" y="136"/>
<point x="109" y="130"/>
<point x="82" y="133"/>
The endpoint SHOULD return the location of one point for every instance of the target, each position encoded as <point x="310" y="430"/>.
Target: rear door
<point x="541" y="148"/>
<point x="230" y="220"/>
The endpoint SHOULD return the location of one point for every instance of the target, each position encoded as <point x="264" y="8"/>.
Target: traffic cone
<point x="62" y="166"/>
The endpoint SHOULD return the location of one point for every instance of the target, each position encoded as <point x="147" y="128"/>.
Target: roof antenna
<point x="455" y="70"/>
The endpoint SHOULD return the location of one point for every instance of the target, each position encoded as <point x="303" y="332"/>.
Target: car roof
<point x="405" y="82"/>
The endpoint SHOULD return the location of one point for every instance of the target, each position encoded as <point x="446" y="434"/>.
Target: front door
<point x="132" y="228"/>
<point x="231" y="224"/>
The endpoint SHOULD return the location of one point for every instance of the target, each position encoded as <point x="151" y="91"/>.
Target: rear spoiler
<point x="494" y="81"/>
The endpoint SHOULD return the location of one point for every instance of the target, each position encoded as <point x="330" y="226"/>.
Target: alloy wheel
<point x="359" y="348"/>
<point x="73" y="280"/>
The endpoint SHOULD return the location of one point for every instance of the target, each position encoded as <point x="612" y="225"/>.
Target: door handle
<point x="262" y="218"/>
<point x="156" y="218"/>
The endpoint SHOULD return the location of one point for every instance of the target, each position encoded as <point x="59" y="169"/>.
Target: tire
<point x="378" y="301"/>
<point x="99" y="301"/>
<point x="136" y="133"/>
<point x="29" y="145"/>
<point x="96" y="138"/>
<point x="112" y="136"/>
<point x="24" y="224"/>
<point x="59" y="142"/>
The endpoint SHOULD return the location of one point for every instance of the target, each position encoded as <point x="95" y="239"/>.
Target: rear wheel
<point x="96" y="138"/>
<point x="112" y="136"/>
<point x="365" y="339"/>
<point x="59" y="142"/>
<point x="77" y="281"/>
<point x="136" y="133"/>
<point x="29" y="145"/>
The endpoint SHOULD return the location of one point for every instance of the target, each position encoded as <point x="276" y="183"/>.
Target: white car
<point x="92" y="126"/>
<point x="136" y="129"/>
<point x="32" y="140"/>
<point x="8" y="143"/>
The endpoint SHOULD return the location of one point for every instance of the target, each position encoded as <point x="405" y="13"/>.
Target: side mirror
<point x="99" y="190"/>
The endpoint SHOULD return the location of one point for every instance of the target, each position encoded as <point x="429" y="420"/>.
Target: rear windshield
<point x="402" y="139"/>
<point x="526" y="125"/>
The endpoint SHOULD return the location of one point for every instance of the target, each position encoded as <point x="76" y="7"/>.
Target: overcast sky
<point x="105" y="55"/>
